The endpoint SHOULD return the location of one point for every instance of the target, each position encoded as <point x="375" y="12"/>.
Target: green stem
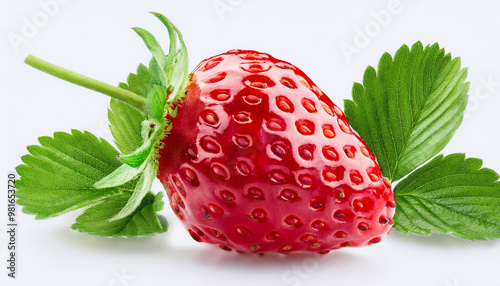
<point x="126" y="96"/>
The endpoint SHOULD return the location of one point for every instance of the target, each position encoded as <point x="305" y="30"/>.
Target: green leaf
<point x="125" y="120"/>
<point x="158" y="203"/>
<point x="450" y="195"/>
<point x="409" y="109"/>
<point x="143" y="221"/>
<point x="59" y="174"/>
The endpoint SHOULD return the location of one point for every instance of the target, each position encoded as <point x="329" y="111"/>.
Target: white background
<point x="94" y="38"/>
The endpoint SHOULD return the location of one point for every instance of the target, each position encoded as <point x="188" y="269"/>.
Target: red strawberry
<point x="259" y="160"/>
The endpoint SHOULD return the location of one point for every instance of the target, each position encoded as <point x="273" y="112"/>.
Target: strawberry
<point x="253" y="156"/>
<point x="259" y="159"/>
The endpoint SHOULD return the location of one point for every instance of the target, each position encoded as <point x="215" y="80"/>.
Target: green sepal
<point x="155" y="102"/>
<point x="181" y="69"/>
<point x="164" y="80"/>
<point x="158" y="75"/>
<point x="153" y="46"/>
<point x="120" y="176"/>
<point x="141" y="189"/>
<point x="152" y="132"/>
<point x="172" y="50"/>
<point x="177" y="68"/>
<point x="140" y="155"/>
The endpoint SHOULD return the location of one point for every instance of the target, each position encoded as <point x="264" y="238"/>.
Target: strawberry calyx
<point x="169" y="75"/>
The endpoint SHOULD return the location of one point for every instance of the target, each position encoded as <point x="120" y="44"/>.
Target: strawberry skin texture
<point x="259" y="159"/>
